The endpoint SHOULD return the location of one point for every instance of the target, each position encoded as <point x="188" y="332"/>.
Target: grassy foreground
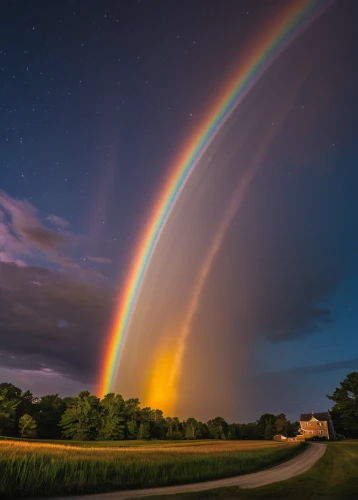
<point x="333" y="477"/>
<point x="39" y="469"/>
<point x="135" y="443"/>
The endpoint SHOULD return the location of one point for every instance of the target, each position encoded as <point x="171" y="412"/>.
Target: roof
<point x="323" y="416"/>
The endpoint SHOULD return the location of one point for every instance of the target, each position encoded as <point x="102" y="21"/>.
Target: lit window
<point x="320" y="432"/>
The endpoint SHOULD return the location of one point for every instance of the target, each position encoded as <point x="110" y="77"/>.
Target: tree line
<point x="87" y="417"/>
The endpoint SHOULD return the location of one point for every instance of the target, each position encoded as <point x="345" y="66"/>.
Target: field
<point x="42" y="469"/>
<point x="334" y="477"/>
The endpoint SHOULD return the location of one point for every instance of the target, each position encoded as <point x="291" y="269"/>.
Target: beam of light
<point x="295" y="17"/>
<point x="168" y="365"/>
<point x="162" y="389"/>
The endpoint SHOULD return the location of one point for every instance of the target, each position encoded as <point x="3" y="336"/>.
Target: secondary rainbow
<point x="293" y="19"/>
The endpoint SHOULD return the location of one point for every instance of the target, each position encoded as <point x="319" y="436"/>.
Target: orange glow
<point x="162" y="385"/>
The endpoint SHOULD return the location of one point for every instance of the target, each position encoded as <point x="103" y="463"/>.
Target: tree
<point x="292" y="428"/>
<point x="12" y="391"/>
<point x="281" y="424"/>
<point x="250" y="430"/>
<point x="346" y="401"/>
<point x="131" y="409"/>
<point x="265" y="420"/>
<point x="269" y="430"/>
<point x="49" y="411"/>
<point x="191" y="428"/>
<point x="144" y="431"/>
<point x="24" y="402"/>
<point x="82" y="418"/>
<point x="26" y="425"/>
<point x="112" y="417"/>
<point x="159" y="425"/>
<point x="204" y="431"/>
<point x="218" y="428"/>
<point x="8" y="407"/>
<point x="173" y="430"/>
<point x="232" y="434"/>
<point x="132" y="429"/>
<point x="27" y="404"/>
<point x="170" y="428"/>
<point x="146" y="414"/>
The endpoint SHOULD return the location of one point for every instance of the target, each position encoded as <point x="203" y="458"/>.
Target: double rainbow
<point x="295" y="17"/>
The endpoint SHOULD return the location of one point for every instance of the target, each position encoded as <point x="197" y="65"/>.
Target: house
<point x="316" y="424"/>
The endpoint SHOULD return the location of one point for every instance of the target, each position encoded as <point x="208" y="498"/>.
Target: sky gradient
<point x="96" y="103"/>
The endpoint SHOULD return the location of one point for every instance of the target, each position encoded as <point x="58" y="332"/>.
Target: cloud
<point x="43" y="381"/>
<point x="100" y="260"/>
<point x="58" y="221"/>
<point x="283" y="260"/>
<point x="52" y="320"/>
<point x="23" y="236"/>
<point x="345" y="364"/>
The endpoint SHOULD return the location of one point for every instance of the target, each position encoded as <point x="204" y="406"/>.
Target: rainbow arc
<point x="296" y="16"/>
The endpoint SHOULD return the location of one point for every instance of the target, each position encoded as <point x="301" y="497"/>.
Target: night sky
<point x="97" y="99"/>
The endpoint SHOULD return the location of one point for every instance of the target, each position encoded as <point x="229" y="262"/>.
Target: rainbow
<point x="295" y="17"/>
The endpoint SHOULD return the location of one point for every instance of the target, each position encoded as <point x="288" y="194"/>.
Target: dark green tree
<point x="281" y="424"/>
<point x="146" y="415"/>
<point x="25" y="404"/>
<point x="218" y="428"/>
<point x="112" y="417"/>
<point x="158" y="425"/>
<point x="250" y="430"/>
<point x="345" y="398"/>
<point x="28" y="404"/>
<point x="269" y="430"/>
<point x="204" y="431"/>
<point x="144" y="431"/>
<point x="131" y="429"/>
<point x="292" y="428"/>
<point x="170" y="428"/>
<point x="27" y="426"/>
<point x="82" y="418"/>
<point x="131" y="409"/>
<point x="232" y="433"/>
<point x="263" y="421"/>
<point x="8" y="406"/>
<point x="191" y="428"/>
<point x="49" y="411"/>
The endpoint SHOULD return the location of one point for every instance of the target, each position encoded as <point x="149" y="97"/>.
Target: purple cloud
<point x="58" y="221"/>
<point x="24" y="236"/>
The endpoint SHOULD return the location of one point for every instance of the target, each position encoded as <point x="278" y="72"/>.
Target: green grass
<point x="111" y="444"/>
<point x="39" y="469"/>
<point x="333" y="477"/>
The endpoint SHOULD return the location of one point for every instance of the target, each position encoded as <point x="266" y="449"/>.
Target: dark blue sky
<point x="96" y="100"/>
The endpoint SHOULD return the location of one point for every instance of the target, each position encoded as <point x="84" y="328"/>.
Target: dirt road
<point x="286" y="470"/>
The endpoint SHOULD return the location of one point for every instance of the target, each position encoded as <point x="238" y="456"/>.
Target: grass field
<point x="42" y="469"/>
<point x="333" y="477"/>
<point x="135" y="443"/>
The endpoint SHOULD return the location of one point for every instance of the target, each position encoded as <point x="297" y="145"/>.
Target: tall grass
<point x="28" y="469"/>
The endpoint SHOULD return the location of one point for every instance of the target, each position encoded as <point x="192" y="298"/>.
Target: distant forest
<point x="87" y="417"/>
